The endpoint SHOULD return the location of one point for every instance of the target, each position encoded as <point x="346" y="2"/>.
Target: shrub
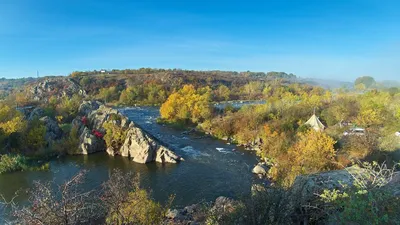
<point x="68" y="108"/>
<point x="12" y="163"/>
<point x="35" y="137"/>
<point x="127" y="203"/>
<point x="367" y="201"/>
<point x="69" y="144"/>
<point x="264" y="206"/>
<point x="312" y="152"/>
<point x="359" y="147"/>
<point x="115" y="135"/>
<point x="67" y="204"/>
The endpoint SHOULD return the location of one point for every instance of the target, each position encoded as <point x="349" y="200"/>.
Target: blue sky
<point x="336" y="39"/>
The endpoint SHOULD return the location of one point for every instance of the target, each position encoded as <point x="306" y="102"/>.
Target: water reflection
<point x="211" y="168"/>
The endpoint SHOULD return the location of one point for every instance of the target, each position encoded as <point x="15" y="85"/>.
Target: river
<point x="211" y="168"/>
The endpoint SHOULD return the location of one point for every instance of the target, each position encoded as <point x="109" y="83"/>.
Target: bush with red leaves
<point x="97" y="133"/>
<point x="84" y="120"/>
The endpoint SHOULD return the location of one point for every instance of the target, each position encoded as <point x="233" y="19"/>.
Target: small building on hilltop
<point x="315" y="123"/>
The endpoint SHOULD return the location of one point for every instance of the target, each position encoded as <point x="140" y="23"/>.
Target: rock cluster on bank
<point x="261" y="169"/>
<point x="307" y="186"/>
<point x="138" y="145"/>
<point x="198" y="213"/>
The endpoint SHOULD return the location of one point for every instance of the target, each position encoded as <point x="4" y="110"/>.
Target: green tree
<point x="367" y="81"/>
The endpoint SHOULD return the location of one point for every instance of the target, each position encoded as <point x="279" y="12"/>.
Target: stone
<point x="111" y="151"/>
<point x="224" y="203"/>
<point x="53" y="131"/>
<point x="164" y="155"/>
<point x="88" y="106"/>
<point x="192" y="208"/>
<point x="89" y="143"/>
<point x="36" y="114"/>
<point x="306" y="188"/>
<point x="140" y="146"/>
<point x="57" y="87"/>
<point x="77" y="123"/>
<point x="172" y="214"/>
<point x="260" y="169"/>
<point x="97" y="118"/>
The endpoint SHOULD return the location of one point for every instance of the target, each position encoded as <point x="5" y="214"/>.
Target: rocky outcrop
<point x="88" y="106"/>
<point x="56" y="86"/>
<point x="53" y="131"/>
<point x="35" y="114"/>
<point x="164" y="155"/>
<point x="89" y="143"/>
<point x="138" y="145"/>
<point x="142" y="148"/>
<point x="199" y="213"/>
<point x="306" y="188"/>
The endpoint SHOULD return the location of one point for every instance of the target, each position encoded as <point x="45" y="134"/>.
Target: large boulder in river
<point x="164" y="155"/>
<point x="142" y="148"/>
<point x="98" y="117"/>
<point x="53" y="131"/>
<point x="89" y="143"/>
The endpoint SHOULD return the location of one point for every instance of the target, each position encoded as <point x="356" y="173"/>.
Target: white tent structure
<point x="315" y="123"/>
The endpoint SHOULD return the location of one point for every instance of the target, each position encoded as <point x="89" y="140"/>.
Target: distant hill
<point x="389" y="83"/>
<point x="328" y="84"/>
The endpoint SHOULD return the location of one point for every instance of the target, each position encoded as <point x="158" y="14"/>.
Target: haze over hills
<point x="325" y="83"/>
<point x="7" y="85"/>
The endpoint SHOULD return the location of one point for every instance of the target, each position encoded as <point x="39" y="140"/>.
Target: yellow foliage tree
<point x="11" y="120"/>
<point x="274" y="143"/>
<point x="14" y="125"/>
<point x="312" y="152"/>
<point x="187" y="104"/>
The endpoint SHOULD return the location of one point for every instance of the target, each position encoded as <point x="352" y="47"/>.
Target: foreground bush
<point x="12" y="163"/>
<point x="120" y="200"/>
<point x="369" y="200"/>
<point x="9" y="163"/>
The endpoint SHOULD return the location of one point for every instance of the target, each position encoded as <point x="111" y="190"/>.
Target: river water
<point x="211" y="168"/>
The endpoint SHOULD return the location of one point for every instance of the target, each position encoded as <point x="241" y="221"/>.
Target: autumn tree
<point x="108" y="94"/>
<point x="187" y="105"/>
<point x="11" y="122"/>
<point x="223" y="93"/>
<point x="274" y="143"/>
<point x="313" y="152"/>
<point x="373" y="108"/>
<point x="68" y="107"/>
